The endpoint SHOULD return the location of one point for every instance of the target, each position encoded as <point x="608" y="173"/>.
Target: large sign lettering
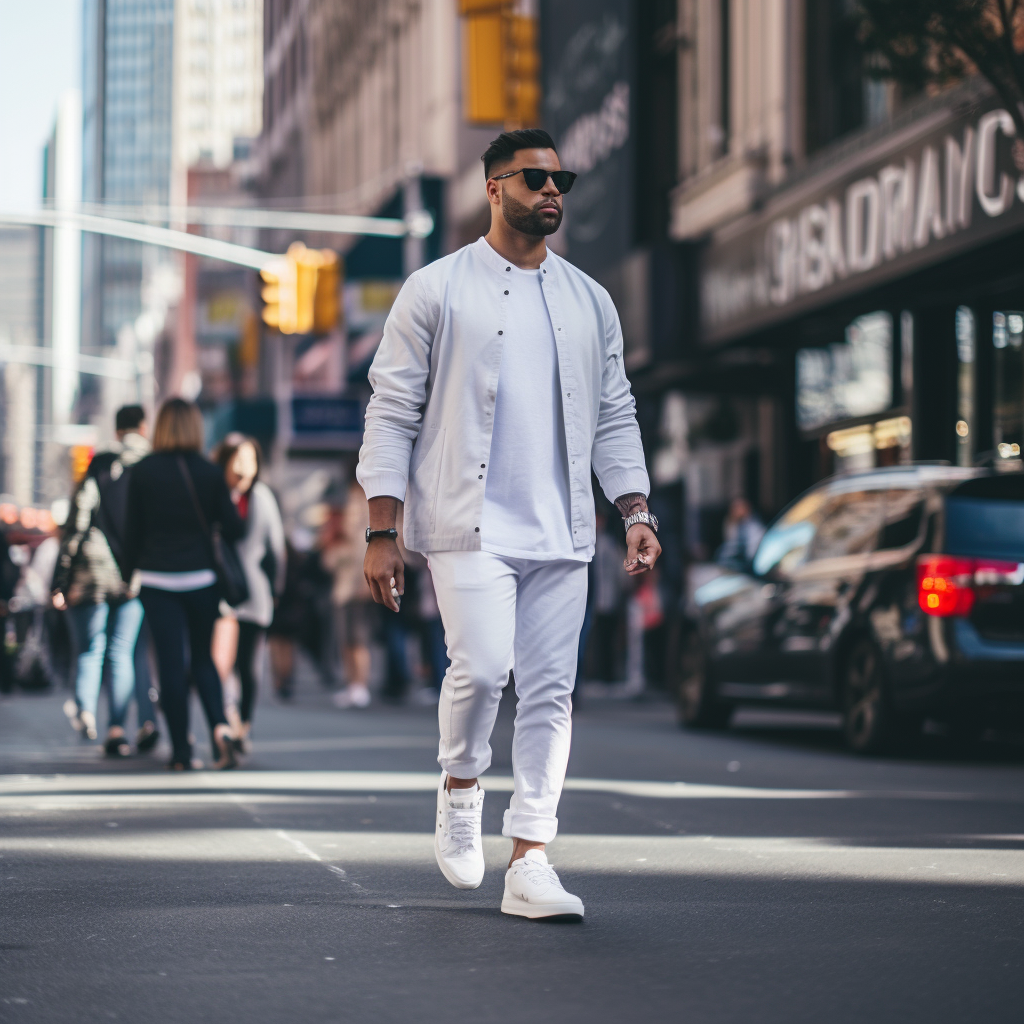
<point x="950" y="188"/>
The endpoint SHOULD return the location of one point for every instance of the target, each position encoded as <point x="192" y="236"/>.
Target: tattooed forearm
<point x="630" y="503"/>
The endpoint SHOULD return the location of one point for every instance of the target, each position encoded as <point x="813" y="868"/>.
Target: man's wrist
<point x="629" y="504"/>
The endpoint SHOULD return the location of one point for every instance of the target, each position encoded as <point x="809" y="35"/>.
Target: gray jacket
<point x="264" y="536"/>
<point x="428" y="428"/>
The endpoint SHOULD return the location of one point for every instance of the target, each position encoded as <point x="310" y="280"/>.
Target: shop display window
<point x="1008" y="365"/>
<point x="847" y="380"/>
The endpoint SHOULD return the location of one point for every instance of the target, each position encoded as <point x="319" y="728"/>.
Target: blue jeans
<point x="105" y="636"/>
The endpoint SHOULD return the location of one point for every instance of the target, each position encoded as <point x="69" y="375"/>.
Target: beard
<point x="526" y="219"/>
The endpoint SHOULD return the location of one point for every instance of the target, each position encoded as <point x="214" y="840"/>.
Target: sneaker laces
<point x="462" y="828"/>
<point x="536" y="872"/>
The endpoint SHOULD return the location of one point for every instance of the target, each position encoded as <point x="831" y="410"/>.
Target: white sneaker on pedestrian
<point x="532" y="889"/>
<point x="355" y="695"/>
<point x="458" y="845"/>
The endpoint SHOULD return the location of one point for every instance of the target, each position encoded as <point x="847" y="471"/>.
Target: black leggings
<point x="250" y="641"/>
<point x="181" y="625"/>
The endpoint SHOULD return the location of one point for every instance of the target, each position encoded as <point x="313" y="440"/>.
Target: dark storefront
<point x="881" y="293"/>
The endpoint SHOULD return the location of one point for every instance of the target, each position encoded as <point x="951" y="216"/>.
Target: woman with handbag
<point x="239" y="633"/>
<point x="181" y="524"/>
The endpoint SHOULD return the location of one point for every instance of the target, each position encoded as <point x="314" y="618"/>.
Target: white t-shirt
<point x="526" y="497"/>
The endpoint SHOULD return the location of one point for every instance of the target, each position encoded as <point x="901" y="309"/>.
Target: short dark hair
<point x="129" y="417"/>
<point x="505" y="146"/>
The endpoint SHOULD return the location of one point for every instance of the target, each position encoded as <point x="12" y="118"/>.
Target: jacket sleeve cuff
<point x="382" y="484"/>
<point x="629" y="482"/>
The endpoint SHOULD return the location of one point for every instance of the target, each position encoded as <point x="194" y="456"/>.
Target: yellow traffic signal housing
<point x="502" y="64"/>
<point x="301" y="291"/>
<point x="279" y="294"/>
<point x="326" y="310"/>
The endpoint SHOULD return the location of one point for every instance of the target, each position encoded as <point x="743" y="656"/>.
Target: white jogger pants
<point x="501" y="613"/>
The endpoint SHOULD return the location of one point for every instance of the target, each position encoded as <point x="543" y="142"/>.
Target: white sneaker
<point x="353" y="696"/>
<point x="458" y="846"/>
<point x="532" y="889"/>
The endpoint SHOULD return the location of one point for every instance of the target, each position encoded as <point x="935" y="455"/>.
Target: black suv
<point x="891" y="596"/>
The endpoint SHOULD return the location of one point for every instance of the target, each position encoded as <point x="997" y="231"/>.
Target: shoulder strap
<point x="183" y="466"/>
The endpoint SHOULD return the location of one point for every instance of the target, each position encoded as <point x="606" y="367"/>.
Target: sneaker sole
<point x="547" y="912"/>
<point x="454" y="879"/>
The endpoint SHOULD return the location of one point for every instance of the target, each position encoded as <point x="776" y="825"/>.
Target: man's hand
<point x="383" y="566"/>
<point x="58" y="601"/>
<point x="384" y="571"/>
<point x="642" y="549"/>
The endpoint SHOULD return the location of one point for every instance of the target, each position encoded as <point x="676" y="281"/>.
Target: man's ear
<point x="493" y="191"/>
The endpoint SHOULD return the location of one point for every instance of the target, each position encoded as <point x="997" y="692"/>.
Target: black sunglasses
<point x="536" y="177"/>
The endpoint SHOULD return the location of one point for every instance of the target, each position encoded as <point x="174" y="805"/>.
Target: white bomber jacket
<point x="427" y="437"/>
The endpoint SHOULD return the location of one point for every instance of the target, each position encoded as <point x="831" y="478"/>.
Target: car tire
<point x="699" y="708"/>
<point x="868" y="719"/>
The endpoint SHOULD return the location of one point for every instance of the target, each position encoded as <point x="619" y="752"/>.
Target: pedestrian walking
<point x="175" y="499"/>
<point x="239" y="633"/>
<point x="497" y="386"/>
<point x="104" y="612"/>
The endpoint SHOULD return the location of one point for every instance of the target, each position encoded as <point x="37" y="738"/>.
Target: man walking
<point x="497" y="388"/>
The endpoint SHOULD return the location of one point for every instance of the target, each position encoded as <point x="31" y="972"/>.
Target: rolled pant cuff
<point x="535" y="828"/>
<point x="463" y="769"/>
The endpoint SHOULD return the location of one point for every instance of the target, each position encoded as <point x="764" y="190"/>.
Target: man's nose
<point x="549" y="188"/>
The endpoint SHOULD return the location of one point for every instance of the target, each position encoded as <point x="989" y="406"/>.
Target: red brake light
<point x="945" y="583"/>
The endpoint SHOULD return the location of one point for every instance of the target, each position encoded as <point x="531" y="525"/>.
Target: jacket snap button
<point x="507" y="269"/>
<point x="483" y="465"/>
<point x="501" y="332"/>
<point x="480" y="477"/>
<point x="506" y="291"/>
<point x="476" y="529"/>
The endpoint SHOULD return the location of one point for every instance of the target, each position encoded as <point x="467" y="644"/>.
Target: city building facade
<point x="855" y="297"/>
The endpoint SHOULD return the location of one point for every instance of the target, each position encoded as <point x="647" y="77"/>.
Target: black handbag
<point x="234" y="587"/>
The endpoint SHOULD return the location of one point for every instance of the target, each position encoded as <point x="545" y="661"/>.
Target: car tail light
<point x="946" y="584"/>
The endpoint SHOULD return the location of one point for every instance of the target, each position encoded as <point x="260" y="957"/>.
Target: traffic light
<point x="326" y="311"/>
<point x="301" y="292"/>
<point x="502" y="64"/>
<point x="279" y="294"/>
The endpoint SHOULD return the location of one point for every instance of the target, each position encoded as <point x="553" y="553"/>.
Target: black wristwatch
<point x="370" y="534"/>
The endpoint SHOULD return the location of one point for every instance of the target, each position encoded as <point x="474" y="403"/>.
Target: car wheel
<point x="698" y="706"/>
<point x="867" y="717"/>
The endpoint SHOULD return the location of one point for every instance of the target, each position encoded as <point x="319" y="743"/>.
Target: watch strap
<point x="370" y="534"/>
<point x="642" y="517"/>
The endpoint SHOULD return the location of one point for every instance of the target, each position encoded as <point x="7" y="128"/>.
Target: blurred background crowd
<point x="806" y="211"/>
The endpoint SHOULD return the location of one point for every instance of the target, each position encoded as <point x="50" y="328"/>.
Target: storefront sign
<point x="327" y="422"/>
<point x="587" y="74"/>
<point x="945" y="184"/>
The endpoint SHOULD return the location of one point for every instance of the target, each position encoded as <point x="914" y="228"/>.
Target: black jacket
<point x="162" y="530"/>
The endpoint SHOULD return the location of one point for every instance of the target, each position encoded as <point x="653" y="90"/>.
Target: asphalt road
<point x="762" y="875"/>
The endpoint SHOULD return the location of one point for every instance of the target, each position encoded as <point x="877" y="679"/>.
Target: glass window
<point x="850" y="525"/>
<point x="904" y="511"/>
<point x="785" y="545"/>
<point x="1008" y="364"/>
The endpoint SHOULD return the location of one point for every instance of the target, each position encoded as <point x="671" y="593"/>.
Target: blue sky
<point x="39" y="59"/>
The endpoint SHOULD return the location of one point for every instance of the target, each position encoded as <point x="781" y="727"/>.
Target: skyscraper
<point x="128" y="70"/>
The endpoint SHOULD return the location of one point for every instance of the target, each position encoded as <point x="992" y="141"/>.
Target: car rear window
<point x="985" y="518"/>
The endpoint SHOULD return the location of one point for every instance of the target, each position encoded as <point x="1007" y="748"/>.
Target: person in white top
<point x="498" y="386"/>
<point x="239" y="633"/>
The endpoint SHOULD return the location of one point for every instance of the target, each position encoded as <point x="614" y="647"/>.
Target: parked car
<point x="891" y="596"/>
